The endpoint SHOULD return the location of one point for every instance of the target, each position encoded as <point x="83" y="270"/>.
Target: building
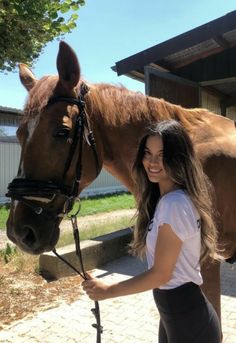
<point x="10" y="156"/>
<point x="9" y="147"/>
<point x="194" y="69"/>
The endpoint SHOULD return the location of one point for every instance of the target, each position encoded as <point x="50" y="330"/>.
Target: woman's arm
<point x="167" y="250"/>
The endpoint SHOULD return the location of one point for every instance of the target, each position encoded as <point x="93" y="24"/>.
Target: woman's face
<point x="153" y="162"/>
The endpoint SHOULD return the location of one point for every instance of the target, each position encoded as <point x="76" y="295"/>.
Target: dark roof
<point x="10" y="110"/>
<point x="206" y="54"/>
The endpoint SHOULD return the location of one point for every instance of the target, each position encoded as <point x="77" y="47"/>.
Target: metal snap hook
<point x="38" y="210"/>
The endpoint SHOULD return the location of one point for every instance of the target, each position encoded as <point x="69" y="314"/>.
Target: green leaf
<point x="60" y="20"/>
<point x="54" y="15"/>
<point x="74" y="16"/>
<point x="75" y="7"/>
<point x="65" y="8"/>
<point x="72" y="25"/>
<point x="65" y="29"/>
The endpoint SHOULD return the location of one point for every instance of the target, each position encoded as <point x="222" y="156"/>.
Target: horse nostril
<point x="29" y="238"/>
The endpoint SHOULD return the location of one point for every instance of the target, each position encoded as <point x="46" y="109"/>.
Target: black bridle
<point x="30" y="191"/>
<point x="27" y="190"/>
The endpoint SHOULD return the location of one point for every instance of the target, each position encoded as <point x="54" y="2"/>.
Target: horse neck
<point x="120" y="118"/>
<point x="119" y="150"/>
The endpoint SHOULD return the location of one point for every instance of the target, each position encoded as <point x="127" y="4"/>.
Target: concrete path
<point x="132" y="319"/>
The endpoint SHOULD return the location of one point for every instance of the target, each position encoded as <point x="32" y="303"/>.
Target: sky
<point x="111" y="30"/>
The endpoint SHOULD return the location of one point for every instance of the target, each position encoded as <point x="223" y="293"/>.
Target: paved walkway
<point x="132" y="319"/>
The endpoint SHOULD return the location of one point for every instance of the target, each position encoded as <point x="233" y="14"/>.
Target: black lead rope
<point x="96" y="309"/>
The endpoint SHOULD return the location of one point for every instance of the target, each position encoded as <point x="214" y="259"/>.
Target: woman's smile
<point x="152" y="171"/>
<point x="152" y="160"/>
<point x="153" y="164"/>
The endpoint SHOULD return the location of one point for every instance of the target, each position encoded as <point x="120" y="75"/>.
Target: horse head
<point x="58" y="154"/>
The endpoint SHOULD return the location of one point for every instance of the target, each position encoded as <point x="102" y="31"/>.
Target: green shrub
<point x="8" y="253"/>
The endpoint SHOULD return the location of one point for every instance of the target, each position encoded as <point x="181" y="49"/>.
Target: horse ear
<point x="68" y="66"/>
<point x="27" y="77"/>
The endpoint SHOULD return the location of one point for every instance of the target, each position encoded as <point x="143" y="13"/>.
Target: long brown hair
<point x="185" y="170"/>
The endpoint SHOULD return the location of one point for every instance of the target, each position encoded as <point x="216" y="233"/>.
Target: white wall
<point x="9" y="161"/>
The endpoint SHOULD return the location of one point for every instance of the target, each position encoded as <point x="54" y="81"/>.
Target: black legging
<point x="186" y="316"/>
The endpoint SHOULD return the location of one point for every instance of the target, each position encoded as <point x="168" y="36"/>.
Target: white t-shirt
<point x="176" y="209"/>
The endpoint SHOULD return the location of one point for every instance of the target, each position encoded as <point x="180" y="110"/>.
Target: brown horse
<point x="118" y="118"/>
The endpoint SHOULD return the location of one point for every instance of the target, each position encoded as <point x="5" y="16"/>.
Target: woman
<point x="176" y="230"/>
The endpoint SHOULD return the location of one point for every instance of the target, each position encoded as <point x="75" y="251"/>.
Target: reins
<point x="28" y="191"/>
<point x="81" y="122"/>
<point x="96" y="309"/>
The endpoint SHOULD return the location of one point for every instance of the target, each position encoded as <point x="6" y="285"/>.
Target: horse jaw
<point x="27" y="78"/>
<point x="68" y="66"/>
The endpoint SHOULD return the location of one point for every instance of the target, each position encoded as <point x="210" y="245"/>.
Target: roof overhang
<point x="206" y="55"/>
<point x="9" y="110"/>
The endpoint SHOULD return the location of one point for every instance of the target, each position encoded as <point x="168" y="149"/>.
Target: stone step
<point x="95" y="253"/>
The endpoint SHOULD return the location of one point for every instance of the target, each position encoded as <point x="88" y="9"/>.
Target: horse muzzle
<point x="30" y="232"/>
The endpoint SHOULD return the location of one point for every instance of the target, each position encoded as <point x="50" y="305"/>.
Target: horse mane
<point x="117" y="105"/>
<point x="114" y="104"/>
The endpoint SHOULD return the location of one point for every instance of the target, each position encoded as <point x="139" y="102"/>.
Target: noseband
<point x="28" y="191"/>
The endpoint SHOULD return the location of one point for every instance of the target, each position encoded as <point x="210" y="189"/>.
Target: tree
<point x="26" y="26"/>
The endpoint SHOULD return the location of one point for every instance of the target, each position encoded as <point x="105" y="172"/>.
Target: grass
<point x="4" y="212"/>
<point x="97" y="229"/>
<point x="105" y="204"/>
<point x="8" y="253"/>
<point x="100" y="204"/>
<point x="20" y="261"/>
<point x="16" y="260"/>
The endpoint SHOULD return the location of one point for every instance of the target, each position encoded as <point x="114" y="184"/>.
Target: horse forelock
<point x="39" y="95"/>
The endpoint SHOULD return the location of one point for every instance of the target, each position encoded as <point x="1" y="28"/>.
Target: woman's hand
<point x="96" y="289"/>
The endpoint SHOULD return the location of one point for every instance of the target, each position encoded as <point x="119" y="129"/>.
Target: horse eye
<point x="62" y="132"/>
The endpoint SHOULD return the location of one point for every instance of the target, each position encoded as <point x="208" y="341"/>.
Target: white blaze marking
<point x="15" y="204"/>
<point x="32" y="124"/>
<point x="21" y="173"/>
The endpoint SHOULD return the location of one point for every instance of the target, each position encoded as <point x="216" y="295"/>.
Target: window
<point x="7" y="131"/>
<point x="8" y="126"/>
